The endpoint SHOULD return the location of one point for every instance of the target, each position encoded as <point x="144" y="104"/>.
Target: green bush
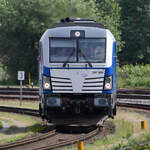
<point x="133" y="76"/>
<point x="1" y="126"/>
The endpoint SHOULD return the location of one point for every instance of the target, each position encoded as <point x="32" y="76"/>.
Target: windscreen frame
<point x="59" y="38"/>
<point x="77" y="48"/>
<point x="93" y="38"/>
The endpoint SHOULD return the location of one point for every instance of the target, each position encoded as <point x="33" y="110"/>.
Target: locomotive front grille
<point x="77" y="80"/>
<point x="61" y="84"/>
<point x="93" y="84"/>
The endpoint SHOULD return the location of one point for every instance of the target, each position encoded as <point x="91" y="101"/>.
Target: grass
<point x="124" y="130"/>
<point x="127" y="132"/>
<point x="28" y="126"/>
<point x="16" y="103"/>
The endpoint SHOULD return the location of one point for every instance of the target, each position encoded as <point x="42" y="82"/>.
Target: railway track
<point x="61" y="139"/>
<point x="25" y="111"/>
<point x="34" y="142"/>
<point x="69" y="141"/>
<point x="27" y="141"/>
<point x="48" y="135"/>
<point x="32" y="93"/>
<point x="126" y="98"/>
<point x="7" y="93"/>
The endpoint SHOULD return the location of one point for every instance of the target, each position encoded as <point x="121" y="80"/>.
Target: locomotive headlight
<point x="77" y="34"/>
<point x="108" y="83"/>
<point x="46" y="83"/>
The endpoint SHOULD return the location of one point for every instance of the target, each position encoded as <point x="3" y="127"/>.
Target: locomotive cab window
<point x="80" y="50"/>
<point x="62" y="49"/>
<point x="93" y="50"/>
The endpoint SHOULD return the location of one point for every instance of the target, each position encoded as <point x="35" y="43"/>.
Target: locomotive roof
<point x="78" y="22"/>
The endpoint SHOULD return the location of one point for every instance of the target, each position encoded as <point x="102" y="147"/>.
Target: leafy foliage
<point x="134" y="76"/>
<point x="108" y="13"/>
<point x="135" y="16"/>
<point x="23" y="23"/>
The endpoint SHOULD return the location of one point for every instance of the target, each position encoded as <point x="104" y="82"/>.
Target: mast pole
<point x="70" y="8"/>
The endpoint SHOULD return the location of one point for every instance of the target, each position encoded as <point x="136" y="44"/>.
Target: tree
<point x="107" y="12"/>
<point x="24" y="21"/>
<point x="135" y="16"/>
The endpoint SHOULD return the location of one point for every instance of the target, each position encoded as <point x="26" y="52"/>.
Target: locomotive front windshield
<point x="78" y="50"/>
<point x="62" y="49"/>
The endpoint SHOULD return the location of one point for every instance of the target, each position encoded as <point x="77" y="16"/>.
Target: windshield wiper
<point x="64" y="65"/>
<point x="89" y="63"/>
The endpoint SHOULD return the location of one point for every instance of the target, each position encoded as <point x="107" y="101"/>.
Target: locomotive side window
<point x="62" y="50"/>
<point x="93" y="50"/>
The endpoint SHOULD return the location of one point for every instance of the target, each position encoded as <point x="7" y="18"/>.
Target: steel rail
<point x="69" y="142"/>
<point x="32" y="93"/>
<point x="46" y="135"/>
<point x="27" y="141"/>
<point x="60" y="144"/>
<point x="130" y="105"/>
<point x="10" y="93"/>
<point x="121" y="94"/>
<point x="26" y="111"/>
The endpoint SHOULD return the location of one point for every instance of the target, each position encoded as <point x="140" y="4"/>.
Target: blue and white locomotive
<point x="77" y="71"/>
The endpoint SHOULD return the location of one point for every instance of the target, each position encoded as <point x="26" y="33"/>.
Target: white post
<point x="20" y="92"/>
<point x="21" y="76"/>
